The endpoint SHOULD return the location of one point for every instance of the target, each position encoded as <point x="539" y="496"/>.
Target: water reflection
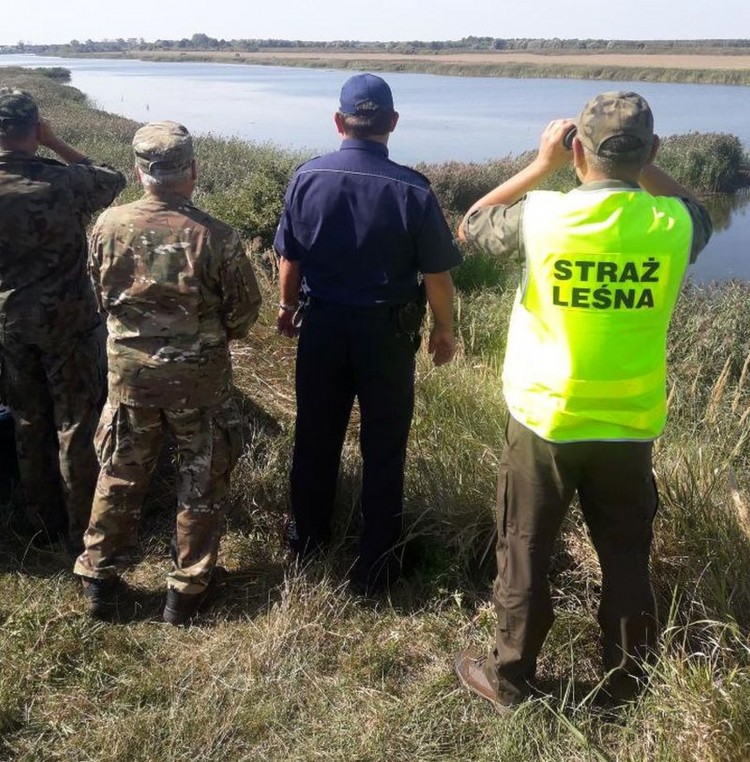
<point x="727" y="255"/>
<point x="722" y="208"/>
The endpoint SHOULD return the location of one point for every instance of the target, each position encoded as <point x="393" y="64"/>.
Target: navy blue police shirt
<point x="363" y="227"/>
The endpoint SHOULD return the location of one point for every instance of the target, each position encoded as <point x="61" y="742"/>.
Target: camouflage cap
<point x="615" y="114"/>
<point x="163" y="148"/>
<point x="17" y="107"/>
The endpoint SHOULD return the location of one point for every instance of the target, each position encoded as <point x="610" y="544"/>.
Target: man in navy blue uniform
<point x="365" y="240"/>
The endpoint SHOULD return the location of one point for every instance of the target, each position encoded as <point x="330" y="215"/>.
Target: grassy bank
<point x="633" y="73"/>
<point x="287" y="665"/>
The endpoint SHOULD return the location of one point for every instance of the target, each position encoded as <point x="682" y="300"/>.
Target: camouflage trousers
<point x="128" y="442"/>
<point x="55" y="394"/>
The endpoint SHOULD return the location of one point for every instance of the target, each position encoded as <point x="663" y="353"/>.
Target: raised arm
<point x="658" y="183"/>
<point x="47" y="137"/>
<point x="552" y="155"/>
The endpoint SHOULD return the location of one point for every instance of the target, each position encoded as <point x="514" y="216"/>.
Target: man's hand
<point x="285" y="324"/>
<point x="442" y="345"/>
<point x="553" y="154"/>
<point x="439" y="291"/>
<point x="46" y="137"/>
<point x="290" y="278"/>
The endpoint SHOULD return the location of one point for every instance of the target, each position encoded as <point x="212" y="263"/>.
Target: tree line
<point x="203" y="42"/>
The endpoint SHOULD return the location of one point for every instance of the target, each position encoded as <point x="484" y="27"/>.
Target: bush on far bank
<point x="706" y="162"/>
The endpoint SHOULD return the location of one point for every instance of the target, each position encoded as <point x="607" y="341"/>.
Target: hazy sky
<point x="383" y="20"/>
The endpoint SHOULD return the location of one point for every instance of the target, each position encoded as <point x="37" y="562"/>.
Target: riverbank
<point x="287" y="664"/>
<point x="709" y="68"/>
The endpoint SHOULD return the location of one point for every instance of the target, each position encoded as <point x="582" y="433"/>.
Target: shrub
<point x="705" y="162"/>
<point x="244" y="183"/>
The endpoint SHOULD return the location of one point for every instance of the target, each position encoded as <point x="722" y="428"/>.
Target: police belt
<point x="366" y="310"/>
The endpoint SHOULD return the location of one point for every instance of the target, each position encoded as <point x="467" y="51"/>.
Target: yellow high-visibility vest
<point x="586" y="352"/>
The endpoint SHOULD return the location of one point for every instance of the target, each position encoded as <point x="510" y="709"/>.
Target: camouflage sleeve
<point x="95" y="261"/>
<point x="95" y="186"/>
<point x="497" y="230"/>
<point x="241" y="295"/>
<point x="702" y="227"/>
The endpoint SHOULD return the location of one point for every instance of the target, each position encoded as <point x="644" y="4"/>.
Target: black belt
<point x="371" y="309"/>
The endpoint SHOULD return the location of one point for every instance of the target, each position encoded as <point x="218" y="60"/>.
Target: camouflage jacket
<point x="45" y="292"/>
<point x="176" y="285"/>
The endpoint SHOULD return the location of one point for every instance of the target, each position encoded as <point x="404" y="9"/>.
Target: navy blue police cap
<point x="364" y="94"/>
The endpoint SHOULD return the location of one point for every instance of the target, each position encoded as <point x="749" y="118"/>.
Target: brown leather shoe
<point x="470" y="669"/>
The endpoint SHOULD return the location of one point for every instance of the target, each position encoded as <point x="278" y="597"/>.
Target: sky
<point x="56" y="21"/>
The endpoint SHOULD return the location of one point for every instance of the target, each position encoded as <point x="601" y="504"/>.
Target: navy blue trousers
<point x="345" y="353"/>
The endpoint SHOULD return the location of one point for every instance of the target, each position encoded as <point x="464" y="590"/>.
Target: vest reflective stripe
<point x="586" y="352"/>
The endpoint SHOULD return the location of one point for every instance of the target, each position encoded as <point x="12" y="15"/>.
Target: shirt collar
<point x="609" y="184"/>
<point x="166" y="198"/>
<point x="365" y="145"/>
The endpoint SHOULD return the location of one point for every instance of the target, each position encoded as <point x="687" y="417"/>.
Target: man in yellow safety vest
<point x="584" y="379"/>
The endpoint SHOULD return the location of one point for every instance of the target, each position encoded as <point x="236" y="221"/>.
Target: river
<point x="442" y="118"/>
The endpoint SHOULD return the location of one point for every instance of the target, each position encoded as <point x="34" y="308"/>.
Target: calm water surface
<point x="442" y="118"/>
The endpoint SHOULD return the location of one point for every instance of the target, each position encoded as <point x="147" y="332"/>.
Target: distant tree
<point x="203" y="41"/>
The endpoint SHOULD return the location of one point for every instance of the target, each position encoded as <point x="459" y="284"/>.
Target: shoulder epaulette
<point x="413" y="171"/>
<point x="423" y="176"/>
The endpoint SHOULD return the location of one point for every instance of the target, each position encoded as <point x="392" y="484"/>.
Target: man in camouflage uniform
<point x="51" y="346"/>
<point x="584" y="380"/>
<point x="177" y="285"/>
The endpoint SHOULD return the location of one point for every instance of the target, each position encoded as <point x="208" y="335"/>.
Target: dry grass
<point x="642" y="60"/>
<point x="288" y="665"/>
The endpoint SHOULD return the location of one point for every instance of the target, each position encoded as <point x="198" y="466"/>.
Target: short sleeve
<point x="437" y="251"/>
<point x="284" y="243"/>
<point x="497" y="229"/>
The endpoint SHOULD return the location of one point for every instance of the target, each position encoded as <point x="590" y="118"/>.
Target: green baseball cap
<point x="615" y="114"/>
<point x="17" y="107"/>
<point x="163" y="148"/>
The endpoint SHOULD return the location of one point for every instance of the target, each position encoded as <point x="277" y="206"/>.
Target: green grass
<point x="288" y="665"/>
